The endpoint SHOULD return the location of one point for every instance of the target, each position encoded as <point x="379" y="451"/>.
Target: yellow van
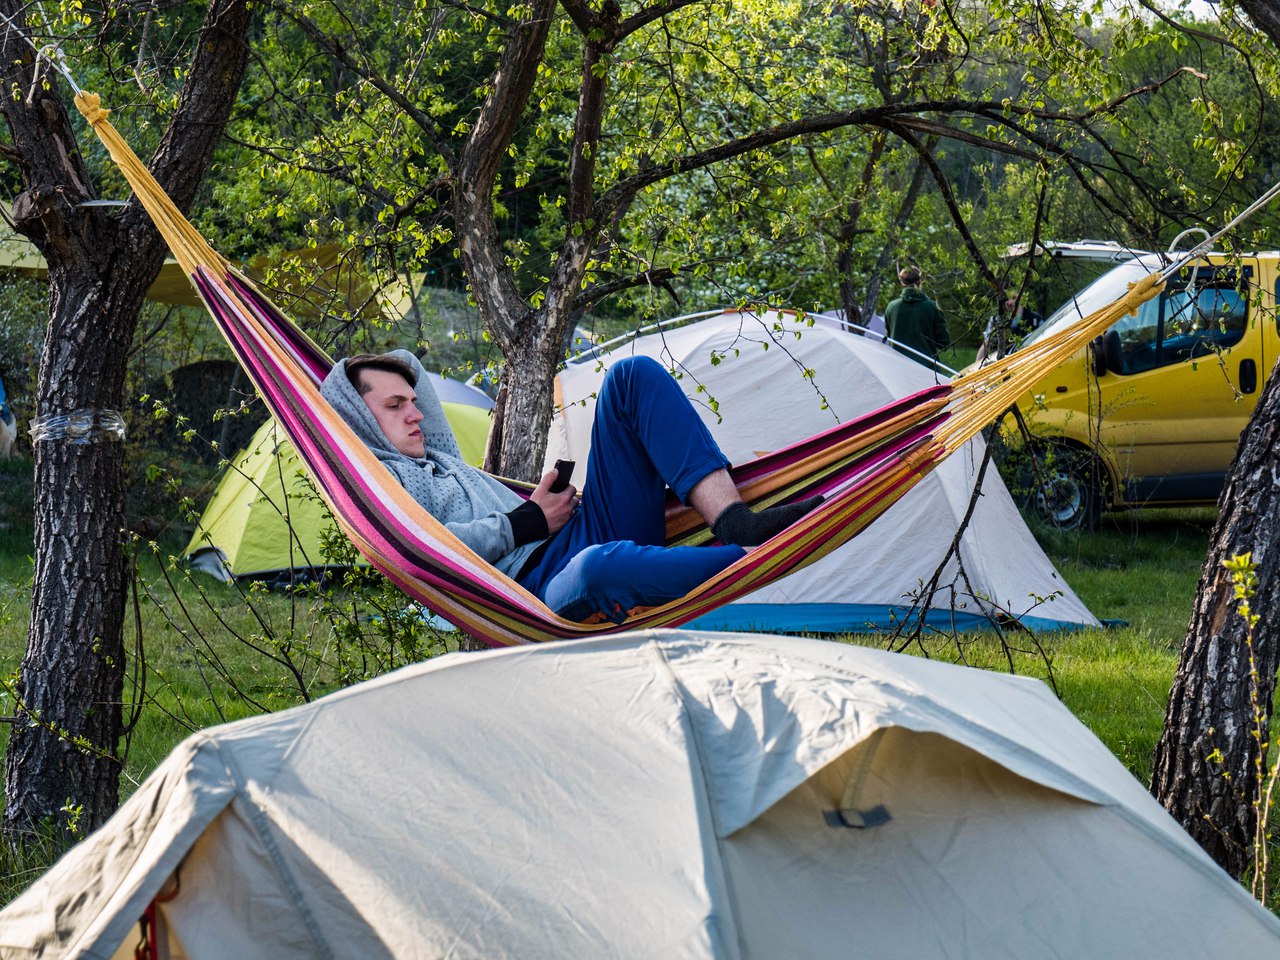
<point x="1151" y="412"/>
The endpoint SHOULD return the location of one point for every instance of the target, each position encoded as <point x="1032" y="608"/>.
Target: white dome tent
<point x="763" y="381"/>
<point x="668" y="794"/>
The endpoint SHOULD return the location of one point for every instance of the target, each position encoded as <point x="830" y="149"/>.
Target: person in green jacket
<point x="913" y="320"/>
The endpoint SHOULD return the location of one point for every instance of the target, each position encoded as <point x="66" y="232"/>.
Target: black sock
<point x="739" y="524"/>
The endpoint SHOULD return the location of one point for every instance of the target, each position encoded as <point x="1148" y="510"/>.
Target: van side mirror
<point x="1097" y="359"/>
<point x="1112" y="354"/>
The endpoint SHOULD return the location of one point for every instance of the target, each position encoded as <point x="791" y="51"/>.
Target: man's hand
<point x="556" y="507"/>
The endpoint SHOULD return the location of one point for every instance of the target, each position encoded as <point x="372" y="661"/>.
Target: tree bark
<point x="1265" y="16"/>
<point x="63" y="764"/>
<point x="531" y="339"/>
<point x="1205" y="770"/>
<point x="1206" y="763"/>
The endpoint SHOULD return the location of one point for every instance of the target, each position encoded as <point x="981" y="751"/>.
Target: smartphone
<point x="564" y="473"/>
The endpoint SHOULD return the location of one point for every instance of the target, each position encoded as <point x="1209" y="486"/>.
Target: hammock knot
<point x="90" y="105"/>
<point x="1142" y="291"/>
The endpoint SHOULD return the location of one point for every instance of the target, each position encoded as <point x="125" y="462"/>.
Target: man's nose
<point x="415" y="416"/>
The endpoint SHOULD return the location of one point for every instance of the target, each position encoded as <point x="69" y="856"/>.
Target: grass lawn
<point x="1140" y="568"/>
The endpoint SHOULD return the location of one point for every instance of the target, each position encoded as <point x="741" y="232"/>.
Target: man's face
<point x="391" y="399"/>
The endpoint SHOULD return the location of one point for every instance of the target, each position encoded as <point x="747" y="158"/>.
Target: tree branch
<point x="493" y="284"/>
<point x="648" y="15"/>
<point x="204" y="105"/>
<point x="339" y="52"/>
<point x="925" y="153"/>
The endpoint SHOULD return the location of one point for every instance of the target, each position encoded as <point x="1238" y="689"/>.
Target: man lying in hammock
<point x="603" y="553"/>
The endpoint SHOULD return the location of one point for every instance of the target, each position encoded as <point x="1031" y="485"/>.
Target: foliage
<point x="723" y="154"/>
<point x="356" y="145"/>
<point x="272" y="644"/>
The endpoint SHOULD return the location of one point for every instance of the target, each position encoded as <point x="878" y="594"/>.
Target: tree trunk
<point x="72" y="672"/>
<point x="62" y="765"/>
<point x="1205" y="770"/>
<point x="893" y="237"/>
<point x="1265" y="16"/>
<point x="851" y="287"/>
<point x="530" y="339"/>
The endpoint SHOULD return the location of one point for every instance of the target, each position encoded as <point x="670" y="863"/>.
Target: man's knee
<point x="586" y="583"/>
<point x="635" y="382"/>
<point x="632" y="371"/>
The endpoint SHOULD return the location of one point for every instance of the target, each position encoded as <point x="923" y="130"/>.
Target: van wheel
<point x="1065" y="492"/>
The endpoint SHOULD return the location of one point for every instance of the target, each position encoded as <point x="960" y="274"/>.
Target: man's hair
<point x="909" y="276"/>
<point x="377" y="361"/>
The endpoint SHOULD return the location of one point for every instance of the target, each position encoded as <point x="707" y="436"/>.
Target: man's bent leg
<point x="614" y="578"/>
<point x="646" y="434"/>
<point x="645" y="424"/>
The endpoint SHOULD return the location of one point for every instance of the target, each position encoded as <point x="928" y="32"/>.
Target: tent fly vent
<point x="858" y="819"/>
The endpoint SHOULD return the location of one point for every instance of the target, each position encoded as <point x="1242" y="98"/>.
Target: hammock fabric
<point x="862" y="467"/>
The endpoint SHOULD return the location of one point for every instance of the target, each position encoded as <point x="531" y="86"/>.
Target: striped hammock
<point x="862" y="467"/>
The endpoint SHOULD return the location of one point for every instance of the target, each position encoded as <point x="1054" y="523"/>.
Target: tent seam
<point x="257" y="817"/>
<point x="713" y="845"/>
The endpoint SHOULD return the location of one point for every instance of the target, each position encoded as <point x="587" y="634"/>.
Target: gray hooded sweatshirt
<point x="482" y="512"/>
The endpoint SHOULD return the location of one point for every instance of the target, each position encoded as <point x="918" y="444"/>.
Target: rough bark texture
<point x="1265" y="15"/>
<point x="1205" y="771"/>
<point x="528" y="338"/>
<point x="100" y="265"/>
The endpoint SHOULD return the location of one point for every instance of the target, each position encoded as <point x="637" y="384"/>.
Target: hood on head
<point x="346" y="400"/>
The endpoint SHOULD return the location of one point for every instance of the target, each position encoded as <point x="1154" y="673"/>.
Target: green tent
<point x="266" y="520"/>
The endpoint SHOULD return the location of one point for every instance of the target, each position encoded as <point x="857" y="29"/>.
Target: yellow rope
<point x="976" y="399"/>
<point x="188" y="246"/>
<point x="980" y="396"/>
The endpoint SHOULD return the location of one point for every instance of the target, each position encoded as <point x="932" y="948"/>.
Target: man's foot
<point x="739" y="524"/>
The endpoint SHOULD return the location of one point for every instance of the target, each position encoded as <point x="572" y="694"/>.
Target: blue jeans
<point x="610" y="556"/>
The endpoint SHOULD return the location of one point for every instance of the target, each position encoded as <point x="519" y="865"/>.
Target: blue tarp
<point x="850" y="618"/>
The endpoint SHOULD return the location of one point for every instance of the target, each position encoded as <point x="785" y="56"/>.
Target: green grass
<point x="214" y="652"/>
<point x="182" y="693"/>
<point x="1141" y="568"/>
<point x="958" y="357"/>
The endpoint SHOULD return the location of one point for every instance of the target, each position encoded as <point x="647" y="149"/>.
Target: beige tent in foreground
<point x="659" y="795"/>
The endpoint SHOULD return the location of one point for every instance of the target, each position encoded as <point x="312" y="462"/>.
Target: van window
<point x="1186" y="322"/>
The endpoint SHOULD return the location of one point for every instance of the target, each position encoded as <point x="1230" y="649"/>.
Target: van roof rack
<point x="1110" y="251"/>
